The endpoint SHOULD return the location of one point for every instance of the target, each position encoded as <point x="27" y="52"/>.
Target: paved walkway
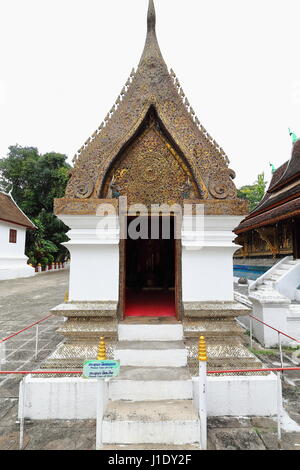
<point x="26" y="301"/>
<point x="23" y="302"/>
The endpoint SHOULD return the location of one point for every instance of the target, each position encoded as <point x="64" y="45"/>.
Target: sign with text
<point x="101" y="369"/>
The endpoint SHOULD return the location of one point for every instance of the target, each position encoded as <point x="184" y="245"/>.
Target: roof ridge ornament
<point x="151" y="18"/>
<point x="294" y="137"/>
<point x="195" y="117"/>
<point x="107" y="117"/>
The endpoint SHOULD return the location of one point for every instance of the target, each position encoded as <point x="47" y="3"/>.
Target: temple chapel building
<point x="272" y="229"/>
<point x="152" y="149"/>
<point x="13" y="226"/>
<point x="271" y="234"/>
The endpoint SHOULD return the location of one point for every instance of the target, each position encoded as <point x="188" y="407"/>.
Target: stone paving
<point x="25" y="301"/>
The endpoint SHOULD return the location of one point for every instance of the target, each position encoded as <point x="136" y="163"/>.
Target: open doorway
<point x="150" y="271"/>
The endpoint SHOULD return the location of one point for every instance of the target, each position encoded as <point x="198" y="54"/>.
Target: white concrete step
<point x="159" y="422"/>
<point x="281" y="271"/>
<point x="295" y="310"/>
<point x="149" y="332"/>
<point x="266" y="286"/>
<point x="152" y="383"/>
<point x="285" y="267"/>
<point x="268" y="282"/>
<point x="273" y="277"/>
<point x="151" y="353"/>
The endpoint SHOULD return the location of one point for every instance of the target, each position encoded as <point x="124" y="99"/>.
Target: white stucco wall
<point x="207" y="264"/>
<point x="13" y="262"/>
<point x="75" y="397"/>
<point x="94" y="272"/>
<point x="207" y="260"/>
<point x="240" y="395"/>
<point x="273" y="309"/>
<point x="94" y="267"/>
<point x="11" y="249"/>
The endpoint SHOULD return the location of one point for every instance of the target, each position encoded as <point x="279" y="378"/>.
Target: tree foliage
<point x="255" y="192"/>
<point x="35" y="180"/>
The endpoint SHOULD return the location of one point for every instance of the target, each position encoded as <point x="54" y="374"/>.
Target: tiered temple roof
<point x="282" y="199"/>
<point x="151" y="88"/>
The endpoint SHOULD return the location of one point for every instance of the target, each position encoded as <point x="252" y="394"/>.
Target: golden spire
<point x="151" y="49"/>
<point x="151" y="19"/>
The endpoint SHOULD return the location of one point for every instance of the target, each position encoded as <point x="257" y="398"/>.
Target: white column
<point x="207" y="259"/>
<point x="94" y="249"/>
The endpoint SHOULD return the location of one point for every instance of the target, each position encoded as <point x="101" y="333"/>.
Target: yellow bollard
<point x="101" y="356"/>
<point x="202" y="355"/>
<point x="66" y="297"/>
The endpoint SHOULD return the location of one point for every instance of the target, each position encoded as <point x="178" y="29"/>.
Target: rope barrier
<point x="40" y="372"/>
<point x="278" y="331"/>
<point x="26" y="328"/>
<point x="277" y="369"/>
<point x="61" y="372"/>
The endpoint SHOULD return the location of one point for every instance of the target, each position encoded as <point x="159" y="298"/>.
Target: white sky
<point x="64" y="62"/>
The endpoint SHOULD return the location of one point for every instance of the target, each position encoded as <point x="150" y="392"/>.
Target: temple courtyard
<point x="26" y="301"/>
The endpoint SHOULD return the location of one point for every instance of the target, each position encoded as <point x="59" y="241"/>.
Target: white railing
<point x="4" y="355"/>
<point x="261" y="278"/>
<point x="243" y="299"/>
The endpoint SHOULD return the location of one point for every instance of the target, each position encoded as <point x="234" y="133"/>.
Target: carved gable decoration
<point x="150" y="171"/>
<point x="103" y="169"/>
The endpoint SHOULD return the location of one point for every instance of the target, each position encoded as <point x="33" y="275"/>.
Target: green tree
<point x="255" y="192"/>
<point x="35" y="180"/>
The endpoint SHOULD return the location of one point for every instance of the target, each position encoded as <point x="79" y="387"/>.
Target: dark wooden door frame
<point x="178" y="280"/>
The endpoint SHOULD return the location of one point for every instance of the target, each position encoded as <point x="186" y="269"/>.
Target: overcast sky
<point x="64" y="62"/>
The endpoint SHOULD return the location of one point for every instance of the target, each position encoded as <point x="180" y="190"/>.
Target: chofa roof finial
<point x="151" y="19"/>
<point x="293" y="136"/>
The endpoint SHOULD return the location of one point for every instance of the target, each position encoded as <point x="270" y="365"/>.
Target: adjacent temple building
<point x="151" y="295"/>
<point x="13" y="226"/>
<point x="272" y="229"/>
<point x="271" y="232"/>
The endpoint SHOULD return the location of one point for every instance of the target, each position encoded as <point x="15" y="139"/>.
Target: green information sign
<point x="101" y="369"/>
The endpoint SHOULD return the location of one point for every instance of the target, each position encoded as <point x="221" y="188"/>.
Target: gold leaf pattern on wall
<point x="151" y="172"/>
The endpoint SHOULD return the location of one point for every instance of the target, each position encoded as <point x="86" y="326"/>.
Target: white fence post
<point x="21" y="411"/>
<point x="102" y="397"/>
<point x="279" y="408"/>
<point x="203" y="393"/>
<point x="251" y="333"/>
<point x="280" y="349"/>
<point x="36" y="341"/>
<point x="2" y="354"/>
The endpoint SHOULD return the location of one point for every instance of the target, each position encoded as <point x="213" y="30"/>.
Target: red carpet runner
<point x="150" y="304"/>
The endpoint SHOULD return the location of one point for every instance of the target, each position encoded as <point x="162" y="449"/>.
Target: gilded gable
<point x="150" y="171"/>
